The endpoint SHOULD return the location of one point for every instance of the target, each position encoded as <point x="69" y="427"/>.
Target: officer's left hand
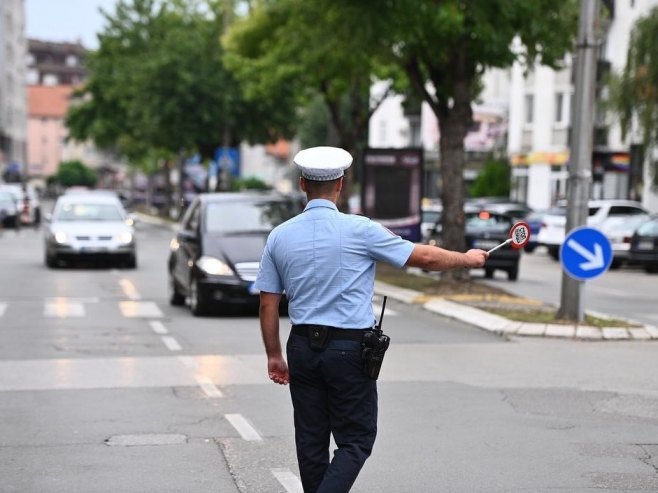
<point x="277" y="369"/>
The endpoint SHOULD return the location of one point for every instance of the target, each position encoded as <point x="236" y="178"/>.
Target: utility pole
<point x="580" y="160"/>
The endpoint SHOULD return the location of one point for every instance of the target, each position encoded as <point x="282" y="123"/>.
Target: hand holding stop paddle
<point x="518" y="236"/>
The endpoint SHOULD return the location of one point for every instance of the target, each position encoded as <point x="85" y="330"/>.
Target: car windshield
<point x="485" y="220"/>
<point x="89" y="212"/>
<point x="247" y="217"/>
<point x="650" y="228"/>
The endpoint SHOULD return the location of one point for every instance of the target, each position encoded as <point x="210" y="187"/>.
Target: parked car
<point x="644" y="245"/>
<point x="90" y="227"/>
<point x="485" y="229"/>
<point x="552" y="232"/>
<point x="619" y="230"/>
<point x="534" y="221"/>
<point x="215" y="254"/>
<point x="28" y="201"/>
<point x="430" y="212"/>
<point x="501" y="205"/>
<point x="9" y="212"/>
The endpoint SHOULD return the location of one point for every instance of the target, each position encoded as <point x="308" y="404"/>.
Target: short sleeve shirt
<point x="324" y="261"/>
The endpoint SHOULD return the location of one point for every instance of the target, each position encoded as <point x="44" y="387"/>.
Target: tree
<point x="158" y="84"/>
<point x="301" y="46"/>
<point x="494" y="180"/>
<point x="634" y="92"/>
<point x="444" y="47"/>
<point x="75" y="174"/>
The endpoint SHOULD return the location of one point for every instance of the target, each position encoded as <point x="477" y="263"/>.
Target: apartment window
<point x="559" y="107"/>
<point x="71" y="61"/>
<point x="529" y="108"/>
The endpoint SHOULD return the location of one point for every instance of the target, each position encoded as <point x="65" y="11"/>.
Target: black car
<point x="644" y="245"/>
<point x="486" y="229"/>
<point x="216" y="252"/>
<point x="9" y="211"/>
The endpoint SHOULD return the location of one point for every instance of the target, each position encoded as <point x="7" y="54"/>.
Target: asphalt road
<point x="106" y="388"/>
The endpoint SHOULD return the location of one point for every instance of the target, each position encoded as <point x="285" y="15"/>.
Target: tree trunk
<point x="454" y="123"/>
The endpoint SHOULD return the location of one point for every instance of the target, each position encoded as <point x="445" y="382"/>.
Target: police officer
<point x="324" y="261"/>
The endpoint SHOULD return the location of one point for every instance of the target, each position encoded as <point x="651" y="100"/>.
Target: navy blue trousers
<point x="331" y="396"/>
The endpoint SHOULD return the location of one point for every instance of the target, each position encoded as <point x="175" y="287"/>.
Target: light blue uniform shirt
<point x="324" y="260"/>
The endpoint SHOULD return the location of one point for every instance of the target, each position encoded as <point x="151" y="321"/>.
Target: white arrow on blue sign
<point x="586" y="253"/>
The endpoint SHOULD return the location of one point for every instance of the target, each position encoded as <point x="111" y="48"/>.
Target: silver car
<point x="89" y="227"/>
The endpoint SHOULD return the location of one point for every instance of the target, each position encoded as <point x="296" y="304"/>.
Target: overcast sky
<point x="66" y="20"/>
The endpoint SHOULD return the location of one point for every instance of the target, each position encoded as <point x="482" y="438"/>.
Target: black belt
<point x="334" y="332"/>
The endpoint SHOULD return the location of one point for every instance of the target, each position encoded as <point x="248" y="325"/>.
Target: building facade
<point x="534" y="109"/>
<point x="55" y="64"/>
<point x="13" y="98"/>
<point x="540" y="121"/>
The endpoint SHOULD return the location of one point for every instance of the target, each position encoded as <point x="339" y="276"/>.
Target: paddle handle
<point x="508" y="240"/>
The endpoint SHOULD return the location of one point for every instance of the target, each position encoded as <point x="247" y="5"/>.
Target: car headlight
<point x="125" y="237"/>
<point x="60" y="237"/>
<point x="213" y="266"/>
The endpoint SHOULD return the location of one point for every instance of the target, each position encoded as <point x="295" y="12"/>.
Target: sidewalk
<point x="500" y="325"/>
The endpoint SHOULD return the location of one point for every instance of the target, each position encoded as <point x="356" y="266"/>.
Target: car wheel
<point x="198" y="302"/>
<point x="615" y="264"/>
<point x="651" y="269"/>
<point x="513" y="273"/>
<point x="530" y="249"/>
<point x="554" y="252"/>
<point x="176" y="298"/>
<point x="131" y="262"/>
<point x="51" y="261"/>
<point x="488" y="273"/>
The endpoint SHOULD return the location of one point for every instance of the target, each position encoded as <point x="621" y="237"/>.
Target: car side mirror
<point x="47" y="217"/>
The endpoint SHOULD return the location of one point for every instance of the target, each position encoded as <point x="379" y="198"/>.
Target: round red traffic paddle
<point x="518" y="236"/>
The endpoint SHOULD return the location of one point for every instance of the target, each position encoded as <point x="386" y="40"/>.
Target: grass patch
<point x="488" y="298"/>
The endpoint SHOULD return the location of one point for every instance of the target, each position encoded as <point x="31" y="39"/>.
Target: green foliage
<point x="158" y="83"/>
<point x="634" y="92"/>
<point x="248" y="183"/>
<point x="493" y="180"/>
<point x="75" y="174"/>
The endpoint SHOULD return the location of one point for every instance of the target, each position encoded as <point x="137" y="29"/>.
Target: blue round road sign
<point x="586" y="253"/>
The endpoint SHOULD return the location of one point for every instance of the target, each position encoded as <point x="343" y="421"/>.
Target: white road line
<point x="63" y="309"/>
<point x="55" y="299"/>
<point x="378" y="311"/>
<point x="188" y="362"/>
<point x="209" y="388"/>
<point x="288" y="480"/>
<point x="247" y="432"/>
<point x="139" y="309"/>
<point x="171" y="343"/>
<point x="129" y="289"/>
<point x="3" y="308"/>
<point x="158" y="327"/>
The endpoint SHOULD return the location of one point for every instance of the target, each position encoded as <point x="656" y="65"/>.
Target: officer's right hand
<point x="277" y="370"/>
<point x="475" y="258"/>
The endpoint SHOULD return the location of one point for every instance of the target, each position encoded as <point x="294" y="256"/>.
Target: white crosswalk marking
<point x="62" y="308"/>
<point x="3" y="308"/>
<point x="140" y="309"/>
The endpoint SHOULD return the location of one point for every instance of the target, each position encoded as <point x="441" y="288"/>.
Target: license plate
<point x="484" y="244"/>
<point x="252" y="289"/>
<point x="645" y="245"/>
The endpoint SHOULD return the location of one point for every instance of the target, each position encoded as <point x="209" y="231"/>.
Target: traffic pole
<point x="580" y="159"/>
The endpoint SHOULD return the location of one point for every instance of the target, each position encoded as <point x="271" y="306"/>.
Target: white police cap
<point x="323" y="163"/>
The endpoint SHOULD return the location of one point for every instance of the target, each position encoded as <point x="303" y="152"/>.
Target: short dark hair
<point x="316" y="187"/>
